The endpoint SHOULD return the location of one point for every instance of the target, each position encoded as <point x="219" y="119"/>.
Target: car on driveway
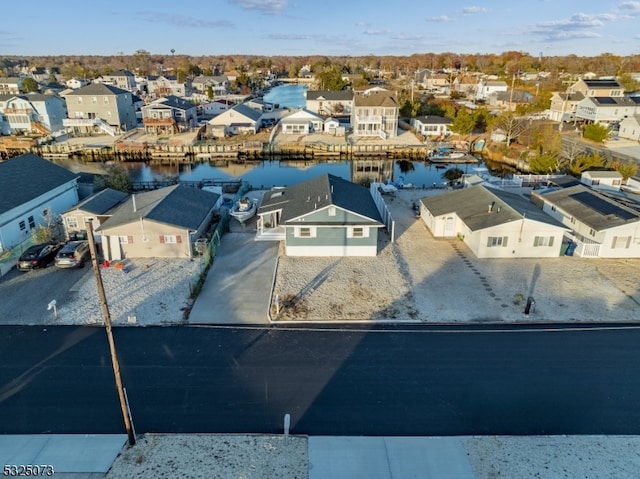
<point x="37" y="256"/>
<point x="73" y="255"/>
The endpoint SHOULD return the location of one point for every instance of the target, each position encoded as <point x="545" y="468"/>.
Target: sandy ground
<point x="419" y="278"/>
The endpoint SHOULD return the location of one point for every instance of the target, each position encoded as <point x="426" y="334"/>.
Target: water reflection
<point x="266" y="174"/>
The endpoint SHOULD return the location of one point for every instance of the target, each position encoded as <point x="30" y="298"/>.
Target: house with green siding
<point x="324" y="216"/>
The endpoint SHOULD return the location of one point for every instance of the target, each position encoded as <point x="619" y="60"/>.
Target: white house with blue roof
<point x="33" y="191"/>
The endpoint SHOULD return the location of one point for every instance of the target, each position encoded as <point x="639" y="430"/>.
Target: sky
<point x="321" y="27"/>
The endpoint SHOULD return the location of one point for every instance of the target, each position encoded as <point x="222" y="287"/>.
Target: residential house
<point x="602" y="180"/>
<point x="11" y="85"/>
<point x="432" y="126"/>
<point x="301" y="122"/>
<point x="486" y="87"/>
<point x="607" y="109"/>
<point x="466" y="86"/>
<point x="436" y="82"/>
<point x="240" y="119"/>
<point x="34" y="192"/>
<point x="31" y="113"/>
<point x="375" y="113"/>
<point x="123" y="79"/>
<point x="597" y="88"/>
<point x="329" y="103"/>
<point x="324" y="216"/>
<point x="632" y="185"/>
<point x="169" y="115"/>
<point x="163" y="223"/>
<point x="332" y="126"/>
<point x="493" y="223"/>
<point x="215" y="107"/>
<point x="600" y="226"/>
<point x="96" y="208"/>
<point x="563" y="105"/>
<point x="100" y="108"/>
<point x="75" y="83"/>
<point x="630" y="127"/>
<point x="219" y="84"/>
<point x="159" y="86"/>
<point x="509" y="100"/>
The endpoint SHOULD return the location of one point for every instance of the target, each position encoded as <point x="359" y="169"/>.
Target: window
<point x="125" y="239"/>
<point x="86" y="219"/>
<point x="94" y="99"/>
<point x="168" y="239"/>
<point x="621" y="242"/>
<point x="543" y="241"/>
<point x="72" y="222"/>
<point x="595" y="182"/>
<point x="357" y="232"/>
<point x="23" y="226"/>
<point x="573" y="220"/>
<point x="592" y="232"/>
<point x="497" y="241"/>
<point x="304" y="232"/>
<point x="105" y="100"/>
<point x="32" y="223"/>
<point x="553" y="207"/>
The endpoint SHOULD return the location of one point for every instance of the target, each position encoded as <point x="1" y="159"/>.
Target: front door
<point x="450" y="226"/>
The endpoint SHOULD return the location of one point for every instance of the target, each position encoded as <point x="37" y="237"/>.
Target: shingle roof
<point x="176" y="205"/>
<point x="320" y="192"/>
<point x="98" y="89"/>
<point x="434" y="120"/>
<point x="590" y="207"/>
<point x="341" y="95"/>
<point x="26" y="177"/>
<point x="376" y="98"/>
<point x="101" y="202"/>
<point x="472" y="206"/>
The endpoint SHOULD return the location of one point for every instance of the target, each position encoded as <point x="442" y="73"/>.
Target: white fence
<point x="383" y="209"/>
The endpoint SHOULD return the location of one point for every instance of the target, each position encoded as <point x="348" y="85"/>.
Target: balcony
<point x="18" y="111"/>
<point x="159" y="121"/>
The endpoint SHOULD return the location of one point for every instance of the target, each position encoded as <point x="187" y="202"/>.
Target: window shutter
<point x="161" y="238"/>
<point x="489" y="242"/>
<point x="129" y="239"/>
<point x="536" y="241"/>
<point x="613" y="242"/>
<point x="178" y="239"/>
<point x="628" y="242"/>
<point x="504" y="243"/>
<point x="551" y="240"/>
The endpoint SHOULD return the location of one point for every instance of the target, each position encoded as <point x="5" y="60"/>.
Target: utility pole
<point x="112" y="345"/>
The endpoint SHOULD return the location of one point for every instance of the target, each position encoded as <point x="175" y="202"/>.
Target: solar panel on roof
<point x="606" y="100"/>
<point x="602" y="206"/>
<point x="602" y="83"/>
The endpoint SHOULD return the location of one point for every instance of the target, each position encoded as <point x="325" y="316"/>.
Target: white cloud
<point x="182" y="20"/>
<point x="629" y="8"/>
<point x="474" y="10"/>
<point x="268" y="7"/>
<point x="440" y="19"/>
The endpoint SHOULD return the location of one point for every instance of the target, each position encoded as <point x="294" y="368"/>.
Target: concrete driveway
<point x="238" y="286"/>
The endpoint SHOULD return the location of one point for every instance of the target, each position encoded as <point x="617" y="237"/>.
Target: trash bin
<point x="564" y="248"/>
<point x="571" y="248"/>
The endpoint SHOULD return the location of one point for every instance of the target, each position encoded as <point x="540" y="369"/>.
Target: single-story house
<point x="301" y="122"/>
<point x="602" y="180"/>
<point x="632" y="185"/>
<point x="332" y="126"/>
<point x="432" y="126"/>
<point x="163" y="223"/>
<point x="235" y="121"/>
<point x="599" y="225"/>
<point x="96" y="208"/>
<point x="324" y="216"/>
<point x="33" y="191"/>
<point x="493" y="223"/>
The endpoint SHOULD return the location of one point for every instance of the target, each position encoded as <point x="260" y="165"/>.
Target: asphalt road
<point x="425" y="381"/>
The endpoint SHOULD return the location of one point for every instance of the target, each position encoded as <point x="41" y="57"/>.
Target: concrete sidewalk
<point x="81" y="456"/>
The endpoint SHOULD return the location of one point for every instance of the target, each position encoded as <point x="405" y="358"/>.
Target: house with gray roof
<point x="599" y="225"/>
<point x="606" y="109"/>
<point x="375" y="113"/>
<point x="602" y="180"/>
<point x="99" y="109"/>
<point x="34" y="191"/>
<point x="123" y="79"/>
<point x="324" y="216"/>
<point x="493" y="223"/>
<point x="163" y="223"/>
<point x="235" y="121"/>
<point x="96" y="208"/>
<point x="329" y="103"/>
<point x="169" y="115"/>
<point x="432" y="126"/>
<point x="11" y="85"/>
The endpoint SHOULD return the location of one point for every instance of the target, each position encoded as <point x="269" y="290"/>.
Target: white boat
<point x="243" y="209"/>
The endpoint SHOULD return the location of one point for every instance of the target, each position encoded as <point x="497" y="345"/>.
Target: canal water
<point x="267" y="174"/>
<point x="288" y="96"/>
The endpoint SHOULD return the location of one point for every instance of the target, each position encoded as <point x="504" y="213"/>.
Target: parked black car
<point x="37" y="256"/>
<point x="73" y="255"/>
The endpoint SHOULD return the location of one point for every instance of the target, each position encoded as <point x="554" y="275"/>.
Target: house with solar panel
<point x="324" y="216"/>
<point x="599" y="225"/>
<point x="493" y="223"/>
<point x="606" y="109"/>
